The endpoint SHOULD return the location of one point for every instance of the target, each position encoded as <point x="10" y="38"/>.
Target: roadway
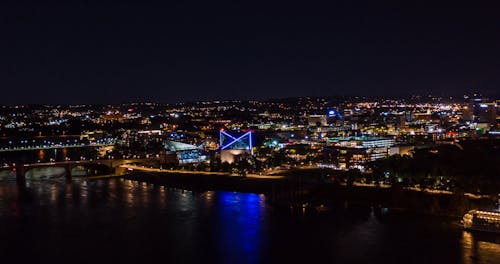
<point x="249" y="175"/>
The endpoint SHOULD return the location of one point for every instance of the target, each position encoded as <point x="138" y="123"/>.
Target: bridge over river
<point x="74" y="168"/>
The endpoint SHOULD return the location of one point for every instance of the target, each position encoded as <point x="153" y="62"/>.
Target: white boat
<point x="488" y="221"/>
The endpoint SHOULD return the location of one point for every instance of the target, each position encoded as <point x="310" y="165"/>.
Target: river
<point x="122" y="221"/>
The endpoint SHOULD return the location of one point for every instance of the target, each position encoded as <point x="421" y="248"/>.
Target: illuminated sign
<point x="334" y="113"/>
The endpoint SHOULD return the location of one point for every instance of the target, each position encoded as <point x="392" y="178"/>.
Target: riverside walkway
<point x="249" y="175"/>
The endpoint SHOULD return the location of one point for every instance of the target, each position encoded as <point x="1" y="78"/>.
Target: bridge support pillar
<point x="119" y="170"/>
<point x="20" y="174"/>
<point x="67" y="169"/>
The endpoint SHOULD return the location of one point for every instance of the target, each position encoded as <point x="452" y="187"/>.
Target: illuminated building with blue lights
<point x="186" y="153"/>
<point x="232" y="146"/>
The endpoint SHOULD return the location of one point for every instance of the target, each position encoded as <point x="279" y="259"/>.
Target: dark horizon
<point x="173" y="52"/>
<point x="457" y="97"/>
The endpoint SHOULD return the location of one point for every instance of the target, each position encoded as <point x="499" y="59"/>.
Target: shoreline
<point x="285" y="192"/>
<point x="208" y="182"/>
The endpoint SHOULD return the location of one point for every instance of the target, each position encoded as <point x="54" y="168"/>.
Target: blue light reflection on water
<point x="240" y="215"/>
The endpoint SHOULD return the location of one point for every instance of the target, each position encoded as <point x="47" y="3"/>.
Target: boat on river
<point x="487" y="221"/>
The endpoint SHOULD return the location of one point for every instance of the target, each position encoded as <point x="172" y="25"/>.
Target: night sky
<point x="185" y="51"/>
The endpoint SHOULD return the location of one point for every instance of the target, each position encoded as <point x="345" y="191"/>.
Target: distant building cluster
<point x="339" y="132"/>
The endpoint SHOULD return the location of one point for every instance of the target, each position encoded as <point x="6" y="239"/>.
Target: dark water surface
<point x="120" y="221"/>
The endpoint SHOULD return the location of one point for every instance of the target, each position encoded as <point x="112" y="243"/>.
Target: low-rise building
<point x="355" y="152"/>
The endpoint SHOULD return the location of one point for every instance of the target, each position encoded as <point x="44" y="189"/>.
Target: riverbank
<point x="439" y="204"/>
<point x="210" y="181"/>
<point x="283" y="192"/>
<point x="100" y="177"/>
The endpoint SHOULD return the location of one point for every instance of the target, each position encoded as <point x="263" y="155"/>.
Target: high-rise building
<point x="480" y="110"/>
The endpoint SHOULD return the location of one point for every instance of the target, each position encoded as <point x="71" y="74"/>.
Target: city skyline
<point x="249" y="132"/>
<point x="120" y="52"/>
